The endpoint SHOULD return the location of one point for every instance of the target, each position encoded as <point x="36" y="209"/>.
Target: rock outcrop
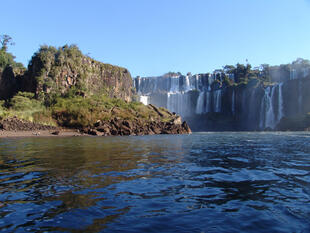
<point x="54" y="71"/>
<point x="9" y="82"/>
<point x="15" y="124"/>
<point x="66" y="71"/>
<point x="121" y="127"/>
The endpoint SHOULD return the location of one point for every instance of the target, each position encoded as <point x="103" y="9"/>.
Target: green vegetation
<point x="81" y="112"/>
<point x="24" y="106"/>
<point x="64" y="87"/>
<point x="66" y="71"/>
<point x="7" y="59"/>
<point x="240" y="74"/>
<point x="78" y="111"/>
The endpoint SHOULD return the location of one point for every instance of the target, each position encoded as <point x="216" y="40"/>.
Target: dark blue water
<point x="208" y="182"/>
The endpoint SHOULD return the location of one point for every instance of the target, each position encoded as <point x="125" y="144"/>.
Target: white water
<point x="144" y="99"/>
<point x="187" y="84"/>
<point x="179" y="99"/>
<point x="200" y="108"/>
<point x="174" y="88"/>
<point x="179" y="103"/>
<point x="270" y="116"/>
<point x="217" y="97"/>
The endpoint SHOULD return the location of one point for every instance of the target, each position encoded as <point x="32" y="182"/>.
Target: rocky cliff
<point x="64" y="71"/>
<point x="66" y="89"/>
<point x="54" y="71"/>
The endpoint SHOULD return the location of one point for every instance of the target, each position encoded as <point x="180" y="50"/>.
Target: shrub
<point x="24" y="101"/>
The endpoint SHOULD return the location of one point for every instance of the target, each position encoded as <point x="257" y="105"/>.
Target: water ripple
<point x="206" y="182"/>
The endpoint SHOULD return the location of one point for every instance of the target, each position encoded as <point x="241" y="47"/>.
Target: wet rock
<point x="186" y="127"/>
<point x="117" y="126"/>
<point x="57" y="132"/>
<point x="94" y="132"/>
<point x="177" y="120"/>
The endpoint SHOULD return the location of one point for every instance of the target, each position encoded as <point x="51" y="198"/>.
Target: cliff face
<point x="10" y="81"/>
<point x="53" y="72"/>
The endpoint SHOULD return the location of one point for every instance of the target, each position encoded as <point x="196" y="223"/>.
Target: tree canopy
<point x="6" y="58"/>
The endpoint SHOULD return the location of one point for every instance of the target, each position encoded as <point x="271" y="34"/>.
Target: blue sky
<point x="152" y="37"/>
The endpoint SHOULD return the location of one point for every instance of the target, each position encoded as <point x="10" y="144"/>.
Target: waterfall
<point x="217" y="100"/>
<point x="197" y="82"/>
<point x="233" y="103"/>
<point x="144" y="99"/>
<point x="175" y="85"/>
<point x="210" y="81"/>
<point x="280" y="102"/>
<point x="200" y="108"/>
<point x="270" y="117"/>
<point x="204" y="102"/>
<point x="203" y="93"/>
<point x="187" y="83"/>
<point x="179" y="103"/>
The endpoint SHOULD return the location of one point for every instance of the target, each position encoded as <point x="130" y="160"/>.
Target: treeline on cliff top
<point x="265" y="73"/>
<point x="63" y="87"/>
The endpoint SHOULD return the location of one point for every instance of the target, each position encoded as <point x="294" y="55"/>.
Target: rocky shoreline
<point x="15" y="127"/>
<point x="120" y="127"/>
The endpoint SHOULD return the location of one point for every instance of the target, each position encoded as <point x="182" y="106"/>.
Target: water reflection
<point x="174" y="183"/>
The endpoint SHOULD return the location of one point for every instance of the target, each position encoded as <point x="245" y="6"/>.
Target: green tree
<point x="5" y="40"/>
<point x="5" y="57"/>
<point x="265" y="71"/>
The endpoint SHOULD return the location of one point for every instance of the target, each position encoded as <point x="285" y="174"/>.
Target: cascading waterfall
<point x="175" y="85"/>
<point x="204" y="102"/>
<point x="217" y="100"/>
<point x="187" y="84"/>
<point x="200" y="108"/>
<point x="171" y="85"/>
<point x="179" y="103"/>
<point x="270" y="116"/>
<point x="200" y="94"/>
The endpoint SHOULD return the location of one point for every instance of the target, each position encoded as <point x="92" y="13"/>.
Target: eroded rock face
<point x="59" y="71"/>
<point x="7" y="83"/>
<point x="119" y="127"/>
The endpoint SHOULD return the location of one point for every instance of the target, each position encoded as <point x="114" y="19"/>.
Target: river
<point x="204" y="182"/>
